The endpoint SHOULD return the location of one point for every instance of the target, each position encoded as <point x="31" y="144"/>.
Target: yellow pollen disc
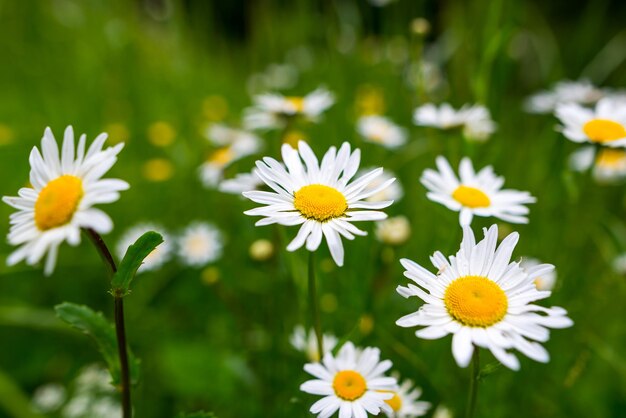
<point x="297" y="103"/>
<point x="471" y="197"/>
<point x="476" y="301"/>
<point x="320" y="202"/>
<point x="395" y="403"/>
<point x="604" y="130"/>
<point x="349" y="385"/>
<point x="611" y="158"/>
<point x="57" y="202"/>
<point x="222" y="156"/>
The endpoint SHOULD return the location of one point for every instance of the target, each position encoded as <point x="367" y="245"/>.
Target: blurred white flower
<point x="442" y="411"/>
<point x="200" y="244"/>
<point x="478" y="125"/>
<point x="609" y="164"/>
<point x="619" y="264"/>
<point x="604" y="125"/>
<point x="405" y="402"/>
<point x="475" y="120"/>
<point x="94" y="396"/>
<point x="546" y="280"/>
<point x="306" y="342"/>
<point x="393" y="231"/>
<point x="381" y="131"/>
<point x="242" y="182"/>
<point x="159" y="256"/>
<point x="48" y="398"/>
<point x="261" y="250"/>
<point x="581" y="92"/>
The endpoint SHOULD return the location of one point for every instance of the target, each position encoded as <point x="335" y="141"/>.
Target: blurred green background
<point x="217" y="338"/>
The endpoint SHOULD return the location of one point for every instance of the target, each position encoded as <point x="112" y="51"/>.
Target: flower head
<point x="200" y="244"/>
<point x="475" y="120"/>
<point x="484" y="300"/>
<point x="604" y="125"/>
<point x="65" y="187"/>
<point x="581" y="92"/>
<point x="353" y="382"/>
<point x="382" y="131"/>
<point x="306" y="342"/>
<point x="474" y="193"/>
<point x="404" y="403"/>
<point x="320" y="197"/>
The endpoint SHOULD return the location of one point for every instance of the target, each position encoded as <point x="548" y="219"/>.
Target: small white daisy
<point x="608" y="164"/>
<point x="242" y="182"/>
<point x="604" y="125"/>
<point x="404" y="403"/>
<point x="581" y="92"/>
<point x="393" y="231"/>
<point x="352" y="383"/>
<point x="65" y="187"/>
<point x="478" y="125"/>
<point x="479" y="194"/>
<point x="484" y="300"/>
<point x="544" y="282"/>
<point x="272" y="111"/>
<point x="381" y="131"/>
<point x="199" y="244"/>
<point x="306" y="342"/>
<point x="318" y="196"/>
<point x="235" y="145"/>
<point x="442" y="117"/>
<point x="159" y="256"/>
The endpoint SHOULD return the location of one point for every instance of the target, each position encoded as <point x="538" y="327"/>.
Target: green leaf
<point x="132" y="260"/>
<point x="97" y="327"/>
<point x="199" y="414"/>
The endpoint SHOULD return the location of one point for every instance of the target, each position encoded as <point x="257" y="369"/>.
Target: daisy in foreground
<point x="352" y="383"/>
<point x="604" y="125"/>
<point x="320" y="197"/>
<point x="484" y="300"/>
<point x="474" y="193"/>
<point x="66" y="184"/>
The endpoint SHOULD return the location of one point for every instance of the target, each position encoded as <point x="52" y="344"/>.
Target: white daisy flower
<point x="65" y="187"/>
<point x="394" y="231"/>
<point x="273" y="110"/>
<point x="242" y="182"/>
<point x="306" y="342"/>
<point x="352" y="383"/>
<point x="582" y="92"/>
<point x="442" y="117"/>
<point x="478" y="125"/>
<point x="48" y="398"/>
<point x="318" y="196"/>
<point x="479" y="194"/>
<point x="222" y="135"/>
<point x="200" y="244"/>
<point x="544" y="282"/>
<point x="159" y="256"/>
<point x="404" y="403"/>
<point x="240" y="146"/>
<point x="382" y="131"/>
<point x="483" y="299"/>
<point x="604" y="125"/>
<point x="609" y="164"/>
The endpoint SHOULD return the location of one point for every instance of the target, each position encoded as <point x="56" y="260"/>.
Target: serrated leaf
<point x="200" y="414"/>
<point x="132" y="260"/>
<point x="98" y="328"/>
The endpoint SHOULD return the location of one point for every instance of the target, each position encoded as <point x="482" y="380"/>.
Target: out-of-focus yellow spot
<point x="420" y="26"/>
<point x="293" y="137"/>
<point x="297" y="103"/>
<point x="118" y="132"/>
<point x="6" y="134"/>
<point x="161" y="134"/>
<point x="210" y="275"/>
<point x="604" y="130"/>
<point x="214" y="108"/>
<point x="158" y="169"/>
<point x="261" y="250"/>
<point x="471" y="197"/>
<point x="328" y="302"/>
<point x="366" y="324"/>
<point x="370" y="100"/>
<point x="611" y="158"/>
<point x="327" y="265"/>
<point x="57" y="202"/>
<point x="395" y="403"/>
<point x="221" y="156"/>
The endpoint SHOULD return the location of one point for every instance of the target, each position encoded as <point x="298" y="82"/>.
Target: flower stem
<point x="473" y="387"/>
<point x="314" y="305"/>
<point x="120" y="330"/>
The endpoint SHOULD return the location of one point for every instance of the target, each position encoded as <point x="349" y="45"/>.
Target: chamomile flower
<point x="319" y="197"/>
<point x="306" y="342"/>
<point x="605" y="125"/>
<point x="581" y="92"/>
<point x="159" y="256"/>
<point x="242" y="182"/>
<point x="478" y="125"/>
<point x="544" y="282"/>
<point x="65" y="187"/>
<point x="608" y="164"/>
<point x="234" y="145"/>
<point x="484" y="300"/>
<point x="393" y="231"/>
<point x="272" y="111"/>
<point x="442" y="117"/>
<point x="199" y="244"/>
<point x="382" y="131"/>
<point x="479" y="194"/>
<point x="404" y="403"/>
<point x="352" y="383"/>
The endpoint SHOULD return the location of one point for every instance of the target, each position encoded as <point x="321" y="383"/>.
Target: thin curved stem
<point x="120" y="329"/>
<point x="473" y="386"/>
<point x="314" y="305"/>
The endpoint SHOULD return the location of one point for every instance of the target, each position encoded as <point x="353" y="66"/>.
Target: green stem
<point x="473" y="387"/>
<point x="120" y="330"/>
<point x="314" y="305"/>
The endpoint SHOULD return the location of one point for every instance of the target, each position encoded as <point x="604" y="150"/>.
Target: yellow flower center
<point x="349" y="385"/>
<point x="611" y="158"/>
<point x="471" y="197"/>
<point x="395" y="403"/>
<point x="476" y="301"/>
<point x="604" y="130"/>
<point x="320" y="202"/>
<point x="222" y="156"/>
<point x="297" y="103"/>
<point x="57" y="202"/>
